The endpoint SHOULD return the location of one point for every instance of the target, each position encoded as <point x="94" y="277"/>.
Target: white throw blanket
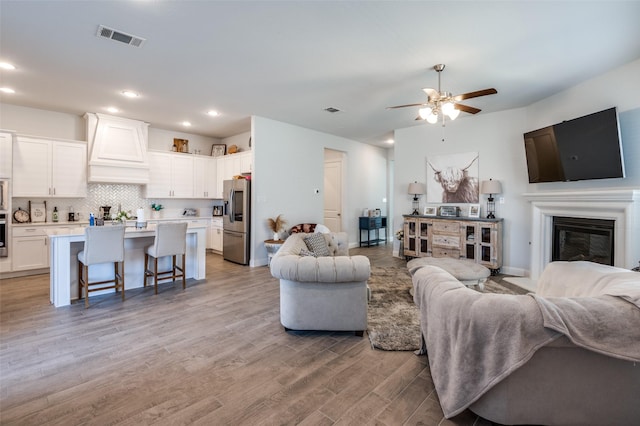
<point x="475" y="340"/>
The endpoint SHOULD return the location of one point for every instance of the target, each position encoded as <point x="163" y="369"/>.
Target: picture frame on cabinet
<point x="430" y="210"/>
<point x="474" y="210"/>
<point x="218" y="149"/>
<point x="180" y="145"/>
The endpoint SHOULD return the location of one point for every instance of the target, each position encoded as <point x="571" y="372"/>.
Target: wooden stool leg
<point x="155" y="274"/>
<point x="79" y="280"/>
<point x="121" y="277"/>
<point x="184" y="273"/>
<point x="86" y="286"/>
<point x="146" y="268"/>
<point x="173" y="271"/>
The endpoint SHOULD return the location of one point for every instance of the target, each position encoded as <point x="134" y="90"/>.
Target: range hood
<point x="117" y="149"/>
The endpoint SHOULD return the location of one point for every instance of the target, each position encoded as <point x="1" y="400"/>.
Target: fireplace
<point x="577" y="238"/>
<point x="621" y="206"/>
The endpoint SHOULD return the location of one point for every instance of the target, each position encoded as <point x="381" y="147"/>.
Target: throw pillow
<point x="317" y="244"/>
<point x="305" y="252"/>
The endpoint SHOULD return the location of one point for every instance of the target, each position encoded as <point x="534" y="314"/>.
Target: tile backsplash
<point x="129" y="197"/>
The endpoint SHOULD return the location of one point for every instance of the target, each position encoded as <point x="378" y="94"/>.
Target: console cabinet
<point x="479" y="240"/>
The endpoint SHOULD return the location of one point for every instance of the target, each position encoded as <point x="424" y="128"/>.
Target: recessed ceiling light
<point x="186" y="124"/>
<point x="390" y="141"/>
<point x="7" y="66"/>
<point x="113" y="110"/>
<point x="213" y="113"/>
<point x="7" y="90"/>
<point x="130" y="94"/>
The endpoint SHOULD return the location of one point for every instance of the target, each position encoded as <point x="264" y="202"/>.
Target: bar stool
<point x="102" y="244"/>
<point x="170" y="240"/>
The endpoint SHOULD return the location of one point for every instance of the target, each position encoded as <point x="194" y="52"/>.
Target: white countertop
<point x="130" y="231"/>
<point x="130" y="222"/>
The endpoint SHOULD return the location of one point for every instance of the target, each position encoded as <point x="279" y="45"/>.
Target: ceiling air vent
<point x="111" y="34"/>
<point x="332" y="110"/>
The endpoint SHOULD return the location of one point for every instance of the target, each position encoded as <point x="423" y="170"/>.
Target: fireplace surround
<point x="619" y="205"/>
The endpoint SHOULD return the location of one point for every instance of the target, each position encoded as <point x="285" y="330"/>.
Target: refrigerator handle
<point x="231" y="202"/>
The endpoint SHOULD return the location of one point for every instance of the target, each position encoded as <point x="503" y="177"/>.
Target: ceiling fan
<point x="441" y="104"/>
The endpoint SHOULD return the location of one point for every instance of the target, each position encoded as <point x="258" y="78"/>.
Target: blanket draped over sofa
<point x="474" y="341"/>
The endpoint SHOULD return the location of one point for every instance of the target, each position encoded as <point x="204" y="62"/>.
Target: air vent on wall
<point x="116" y="35"/>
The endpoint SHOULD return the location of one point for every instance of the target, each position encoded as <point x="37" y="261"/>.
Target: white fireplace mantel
<point x="621" y="205"/>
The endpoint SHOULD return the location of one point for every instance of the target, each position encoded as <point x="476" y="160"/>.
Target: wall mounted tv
<point x="584" y="148"/>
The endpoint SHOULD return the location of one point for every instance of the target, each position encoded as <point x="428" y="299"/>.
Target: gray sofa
<point x="322" y="293"/>
<point x="568" y="355"/>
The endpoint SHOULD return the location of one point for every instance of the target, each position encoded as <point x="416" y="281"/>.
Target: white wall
<point x="241" y="141"/>
<point x="40" y="122"/>
<point x="498" y="138"/>
<point x="620" y="88"/>
<point x="162" y="140"/>
<point x="289" y="166"/>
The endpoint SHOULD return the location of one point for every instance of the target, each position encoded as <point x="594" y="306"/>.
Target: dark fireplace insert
<point x="583" y="239"/>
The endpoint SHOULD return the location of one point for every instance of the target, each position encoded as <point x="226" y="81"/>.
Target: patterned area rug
<point x="394" y="323"/>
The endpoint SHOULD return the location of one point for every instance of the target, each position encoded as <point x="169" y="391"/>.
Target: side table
<point x="272" y="247"/>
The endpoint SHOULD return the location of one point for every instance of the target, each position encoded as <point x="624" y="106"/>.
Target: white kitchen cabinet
<point x="214" y="235"/>
<point x="29" y="248"/>
<point x="205" y="176"/>
<point x="170" y="176"/>
<point x="231" y="165"/>
<point x="219" y="176"/>
<point x="49" y="168"/>
<point x="6" y="142"/>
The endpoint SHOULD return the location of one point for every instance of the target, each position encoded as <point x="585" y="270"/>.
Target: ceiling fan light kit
<point x="443" y="104"/>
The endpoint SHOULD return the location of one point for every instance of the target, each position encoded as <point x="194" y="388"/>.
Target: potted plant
<point x="155" y="210"/>
<point x="276" y="225"/>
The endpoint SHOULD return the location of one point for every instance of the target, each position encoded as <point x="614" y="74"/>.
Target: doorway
<point x="334" y="162"/>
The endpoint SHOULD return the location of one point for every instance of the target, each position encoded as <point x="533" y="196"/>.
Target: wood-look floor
<point x="214" y="354"/>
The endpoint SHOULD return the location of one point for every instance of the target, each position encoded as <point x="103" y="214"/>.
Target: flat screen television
<point x="584" y="148"/>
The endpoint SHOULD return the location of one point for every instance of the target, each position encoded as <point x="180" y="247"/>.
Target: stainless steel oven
<point x="4" y="214"/>
<point x="4" y="229"/>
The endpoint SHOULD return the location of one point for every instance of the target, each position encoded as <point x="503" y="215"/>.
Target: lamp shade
<point x="416" y="188"/>
<point x="490" y="187"/>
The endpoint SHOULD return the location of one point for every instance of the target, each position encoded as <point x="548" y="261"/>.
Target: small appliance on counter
<point x="218" y="207"/>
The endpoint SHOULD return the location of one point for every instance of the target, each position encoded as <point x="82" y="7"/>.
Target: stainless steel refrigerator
<point x="236" y="220"/>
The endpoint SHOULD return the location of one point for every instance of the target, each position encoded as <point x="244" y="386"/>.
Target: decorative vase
<point x="276" y="236"/>
<point x="155" y="214"/>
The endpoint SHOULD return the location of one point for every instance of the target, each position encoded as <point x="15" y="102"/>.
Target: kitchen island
<point x="65" y="244"/>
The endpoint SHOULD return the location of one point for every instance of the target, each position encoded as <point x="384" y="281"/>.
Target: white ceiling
<point x="289" y="60"/>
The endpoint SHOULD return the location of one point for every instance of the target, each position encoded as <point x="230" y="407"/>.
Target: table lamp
<point x="416" y="189"/>
<point x="491" y="187"/>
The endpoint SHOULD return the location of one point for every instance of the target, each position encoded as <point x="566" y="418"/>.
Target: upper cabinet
<point x="205" y="177"/>
<point x="117" y="149"/>
<point x="232" y="165"/>
<point x="181" y="176"/>
<point x="49" y="168"/>
<point x="5" y="154"/>
<point x="170" y="175"/>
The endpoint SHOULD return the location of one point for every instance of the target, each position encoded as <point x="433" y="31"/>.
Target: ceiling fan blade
<point x="404" y="106"/>
<point x="475" y="94"/>
<point x="467" y="108"/>
<point x="431" y="93"/>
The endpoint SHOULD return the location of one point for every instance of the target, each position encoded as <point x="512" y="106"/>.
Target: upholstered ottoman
<point x="466" y="271"/>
